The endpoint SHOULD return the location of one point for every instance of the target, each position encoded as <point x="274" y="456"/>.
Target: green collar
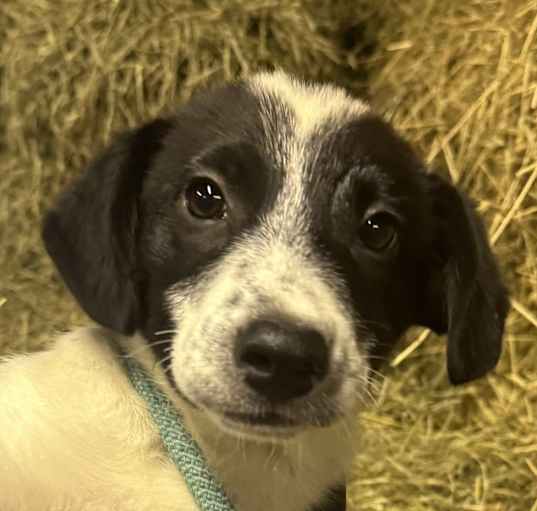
<point x="181" y="447"/>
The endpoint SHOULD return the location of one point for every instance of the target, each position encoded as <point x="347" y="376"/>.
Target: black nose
<point x="281" y="362"/>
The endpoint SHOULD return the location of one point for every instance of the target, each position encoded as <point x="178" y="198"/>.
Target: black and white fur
<point x="301" y="167"/>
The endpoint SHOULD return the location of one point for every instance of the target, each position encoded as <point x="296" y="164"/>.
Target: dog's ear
<point x="463" y="293"/>
<point x="91" y="232"/>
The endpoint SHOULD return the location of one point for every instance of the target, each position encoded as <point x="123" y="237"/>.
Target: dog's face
<point x="272" y="240"/>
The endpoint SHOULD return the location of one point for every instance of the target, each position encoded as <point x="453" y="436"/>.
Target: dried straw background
<point x="459" y="78"/>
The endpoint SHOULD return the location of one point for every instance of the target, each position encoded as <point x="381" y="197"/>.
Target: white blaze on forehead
<point x="311" y="104"/>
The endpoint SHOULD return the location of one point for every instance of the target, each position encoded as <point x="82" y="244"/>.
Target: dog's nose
<point x="281" y="362"/>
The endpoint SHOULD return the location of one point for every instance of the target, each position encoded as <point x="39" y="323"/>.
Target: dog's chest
<point x="81" y="439"/>
<point x="292" y="476"/>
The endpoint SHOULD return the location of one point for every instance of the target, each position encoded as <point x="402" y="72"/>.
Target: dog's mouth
<point x="266" y="419"/>
<point x="264" y="426"/>
<point x="267" y="425"/>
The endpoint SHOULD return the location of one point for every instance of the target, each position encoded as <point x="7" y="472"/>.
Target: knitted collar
<point x="181" y="447"/>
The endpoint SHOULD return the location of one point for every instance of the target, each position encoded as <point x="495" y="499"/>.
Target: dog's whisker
<point x="144" y="348"/>
<point x="165" y="332"/>
<point x="158" y="343"/>
<point x="347" y="430"/>
<point x="375" y="372"/>
<point x="137" y="351"/>
<point x="165" y="359"/>
<point x="270" y="455"/>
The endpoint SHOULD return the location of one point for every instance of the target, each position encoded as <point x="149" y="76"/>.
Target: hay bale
<point x="458" y="78"/>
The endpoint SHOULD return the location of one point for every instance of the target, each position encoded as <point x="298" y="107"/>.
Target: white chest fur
<point x="75" y="436"/>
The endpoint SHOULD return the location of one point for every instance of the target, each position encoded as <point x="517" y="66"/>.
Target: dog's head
<point x="272" y="240"/>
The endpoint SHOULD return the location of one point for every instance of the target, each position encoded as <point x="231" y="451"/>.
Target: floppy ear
<point x="463" y="290"/>
<point x="91" y="232"/>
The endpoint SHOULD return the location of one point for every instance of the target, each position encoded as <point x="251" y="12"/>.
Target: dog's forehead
<point x="319" y="132"/>
<point x="308" y="106"/>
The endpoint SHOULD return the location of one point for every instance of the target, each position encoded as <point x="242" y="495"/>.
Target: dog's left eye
<point x="205" y="200"/>
<point x="379" y="231"/>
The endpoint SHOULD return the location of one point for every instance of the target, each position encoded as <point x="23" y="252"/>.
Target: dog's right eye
<point x="205" y="200"/>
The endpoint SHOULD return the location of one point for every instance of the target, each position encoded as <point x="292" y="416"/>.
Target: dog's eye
<point x="205" y="200"/>
<point x="379" y="231"/>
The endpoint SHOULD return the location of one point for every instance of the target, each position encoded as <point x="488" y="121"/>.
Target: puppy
<point x="258" y="252"/>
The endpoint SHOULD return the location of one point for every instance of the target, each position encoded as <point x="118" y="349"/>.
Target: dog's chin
<point x="257" y="427"/>
<point x="267" y="427"/>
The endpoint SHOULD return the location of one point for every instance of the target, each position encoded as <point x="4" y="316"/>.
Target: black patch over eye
<point x="205" y="200"/>
<point x="379" y="231"/>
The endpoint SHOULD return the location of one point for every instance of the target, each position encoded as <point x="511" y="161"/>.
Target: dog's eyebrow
<point x="375" y="140"/>
<point x="232" y="160"/>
